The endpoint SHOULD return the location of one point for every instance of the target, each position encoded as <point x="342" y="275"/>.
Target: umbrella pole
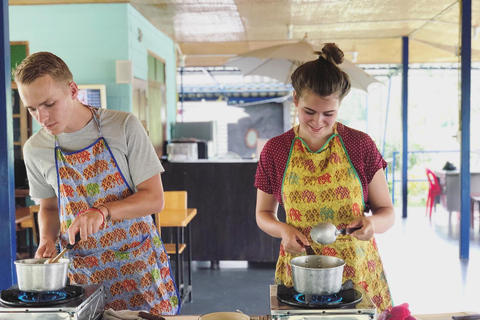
<point x="182" y="96"/>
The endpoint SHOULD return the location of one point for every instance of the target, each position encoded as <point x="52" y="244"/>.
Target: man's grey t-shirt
<point x="125" y="137"/>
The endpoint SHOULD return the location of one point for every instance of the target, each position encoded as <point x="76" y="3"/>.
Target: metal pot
<point x="317" y="275"/>
<point x="35" y="276"/>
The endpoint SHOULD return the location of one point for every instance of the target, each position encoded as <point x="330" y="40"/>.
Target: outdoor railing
<point x="394" y="162"/>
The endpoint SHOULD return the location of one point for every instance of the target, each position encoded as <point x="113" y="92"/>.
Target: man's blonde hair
<point x="41" y="64"/>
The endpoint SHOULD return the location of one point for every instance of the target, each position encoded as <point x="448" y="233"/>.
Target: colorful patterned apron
<point x="324" y="186"/>
<point x="126" y="256"/>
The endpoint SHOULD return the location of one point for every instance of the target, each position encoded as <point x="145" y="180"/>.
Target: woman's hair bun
<point x="333" y="53"/>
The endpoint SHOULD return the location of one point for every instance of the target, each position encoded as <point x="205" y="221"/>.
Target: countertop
<point x="215" y="161"/>
<point x="430" y="316"/>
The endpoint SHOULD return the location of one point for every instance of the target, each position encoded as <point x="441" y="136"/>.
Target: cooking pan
<point x="34" y="275"/>
<point x="317" y="275"/>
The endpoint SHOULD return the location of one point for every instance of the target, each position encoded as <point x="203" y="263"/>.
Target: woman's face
<point x="316" y="115"/>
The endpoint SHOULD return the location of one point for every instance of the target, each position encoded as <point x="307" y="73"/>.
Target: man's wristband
<point x="109" y="216"/>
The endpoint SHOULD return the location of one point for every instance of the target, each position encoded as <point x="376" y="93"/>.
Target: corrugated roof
<point x="369" y="31"/>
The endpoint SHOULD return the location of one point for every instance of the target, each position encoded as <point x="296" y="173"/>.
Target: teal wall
<point x="90" y="38"/>
<point x="160" y="45"/>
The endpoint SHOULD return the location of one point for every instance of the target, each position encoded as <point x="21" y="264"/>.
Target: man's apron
<point x="126" y="256"/>
<point x="323" y="186"/>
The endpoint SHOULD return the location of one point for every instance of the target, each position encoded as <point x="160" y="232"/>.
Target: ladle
<point x="326" y="232"/>
<point x="67" y="247"/>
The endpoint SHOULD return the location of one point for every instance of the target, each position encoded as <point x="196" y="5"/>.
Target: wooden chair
<point x="434" y="190"/>
<point x="34" y="218"/>
<point x="26" y="219"/>
<point x="176" y="215"/>
<point x="174" y="200"/>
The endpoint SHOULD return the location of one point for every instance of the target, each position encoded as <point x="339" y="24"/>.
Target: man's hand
<point x="87" y="223"/>
<point x="46" y="249"/>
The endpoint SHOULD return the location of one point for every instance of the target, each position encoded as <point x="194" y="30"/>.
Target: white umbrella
<point x="279" y="62"/>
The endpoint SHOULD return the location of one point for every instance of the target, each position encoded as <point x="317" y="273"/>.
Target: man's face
<point x="50" y="103"/>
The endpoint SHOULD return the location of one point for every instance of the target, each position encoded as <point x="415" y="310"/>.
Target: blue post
<point x="394" y="155"/>
<point x="466" y="60"/>
<point x="404" y="126"/>
<point x="7" y="186"/>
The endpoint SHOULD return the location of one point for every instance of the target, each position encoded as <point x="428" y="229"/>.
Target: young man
<point x="95" y="173"/>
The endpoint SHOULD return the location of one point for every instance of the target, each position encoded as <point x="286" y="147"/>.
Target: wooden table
<point x="443" y="316"/>
<point x="178" y="219"/>
<point x="23" y="218"/>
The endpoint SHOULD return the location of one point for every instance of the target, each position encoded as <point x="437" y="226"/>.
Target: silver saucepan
<point x="34" y="275"/>
<point x="317" y="275"/>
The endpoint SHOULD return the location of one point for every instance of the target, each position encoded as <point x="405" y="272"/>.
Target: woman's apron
<point x="126" y="256"/>
<point x="323" y="186"/>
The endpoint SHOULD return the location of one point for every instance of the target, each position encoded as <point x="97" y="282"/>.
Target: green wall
<point x="90" y="38"/>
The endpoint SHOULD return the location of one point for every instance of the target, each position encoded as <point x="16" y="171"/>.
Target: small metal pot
<point x="317" y="275"/>
<point x="35" y="276"/>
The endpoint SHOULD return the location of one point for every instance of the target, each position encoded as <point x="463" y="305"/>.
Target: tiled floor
<point x="421" y="258"/>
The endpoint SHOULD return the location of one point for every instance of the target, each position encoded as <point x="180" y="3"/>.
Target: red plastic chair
<point x="434" y="190"/>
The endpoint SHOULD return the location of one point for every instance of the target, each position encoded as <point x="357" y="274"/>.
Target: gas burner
<point x="47" y="296"/>
<point x="347" y="298"/>
<point x="17" y="298"/>
<point x="321" y="300"/>
<point x="80" y="302"/>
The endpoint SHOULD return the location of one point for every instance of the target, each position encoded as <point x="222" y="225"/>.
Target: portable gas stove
<point x="86" y="302"/>
<point x="348" y="304"/>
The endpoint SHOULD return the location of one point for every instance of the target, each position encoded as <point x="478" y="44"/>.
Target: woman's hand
<point x="367" y="230"/>
<point x="46" y="249"/>
<point x="293" y="241"/>
<point x="87" y="223"/>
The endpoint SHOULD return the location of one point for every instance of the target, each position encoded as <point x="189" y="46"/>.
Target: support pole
<point x="404" y="126"/>
<point x="466" y="59"/>
<point x="8" y="246"/>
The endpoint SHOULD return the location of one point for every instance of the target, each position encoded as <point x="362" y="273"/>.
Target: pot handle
<point x="149" y="316"/>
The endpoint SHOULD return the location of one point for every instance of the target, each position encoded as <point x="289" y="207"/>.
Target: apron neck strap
<point x="96" y="118"/>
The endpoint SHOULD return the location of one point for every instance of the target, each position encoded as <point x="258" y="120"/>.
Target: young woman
<point x="324" y="171"/>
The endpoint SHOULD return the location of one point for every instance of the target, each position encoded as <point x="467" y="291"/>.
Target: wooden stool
<point x="176" y="215"/>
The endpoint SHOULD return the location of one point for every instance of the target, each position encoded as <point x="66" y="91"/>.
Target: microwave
<point x="183" y="151"/>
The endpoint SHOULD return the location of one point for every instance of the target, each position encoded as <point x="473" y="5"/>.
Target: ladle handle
<point x="77" y="239"/>
<point x="348" y="230"/>
<point x="55" y="260"/>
